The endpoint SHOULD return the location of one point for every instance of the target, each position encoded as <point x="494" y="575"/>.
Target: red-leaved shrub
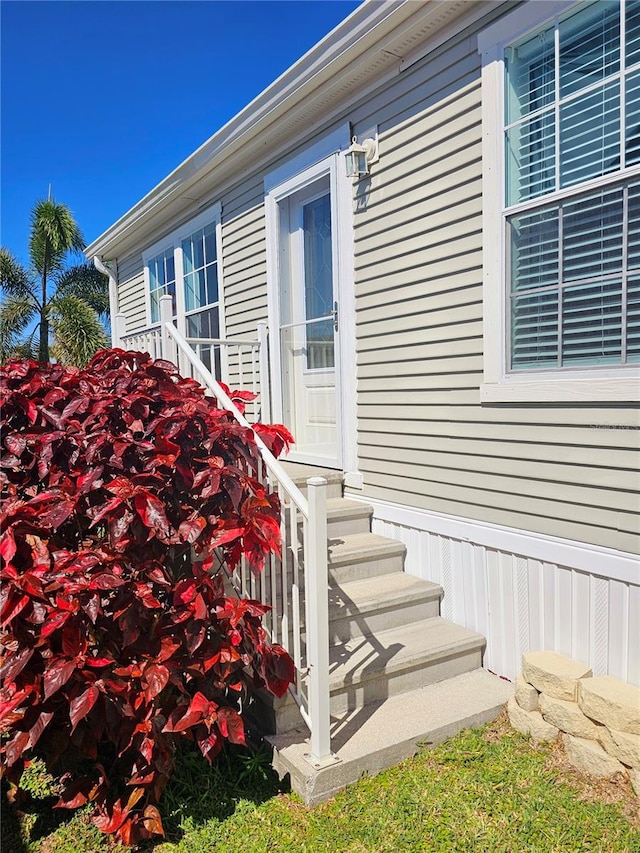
<point x="124" y="488"/>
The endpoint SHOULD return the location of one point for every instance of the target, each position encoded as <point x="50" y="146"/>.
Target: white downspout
<point x="113" y="298"/>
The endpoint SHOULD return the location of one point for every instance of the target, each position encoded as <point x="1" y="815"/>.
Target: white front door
<point x="310" y="280"/>
<point x="308" y="323"/>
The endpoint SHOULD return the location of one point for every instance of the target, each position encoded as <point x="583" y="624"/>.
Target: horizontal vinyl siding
<point x="424" y="439"/>
<point x="244" y="277"/>
<point x="244" y="261"/>
<point x="131" y="295"/>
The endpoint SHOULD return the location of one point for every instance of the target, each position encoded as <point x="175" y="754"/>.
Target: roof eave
<point x="247" y="123"/>
<point x="357" y="34"/>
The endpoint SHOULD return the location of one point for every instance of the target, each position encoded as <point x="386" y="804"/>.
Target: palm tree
<point x="51" y="297"/>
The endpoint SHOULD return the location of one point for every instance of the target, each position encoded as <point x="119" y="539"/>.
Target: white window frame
<point x="173" y="241"/>
<point x="618" y="383"/>
<point x="149" y="256"/>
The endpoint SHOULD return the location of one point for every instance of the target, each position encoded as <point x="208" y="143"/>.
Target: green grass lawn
<point x="487" y="790"/>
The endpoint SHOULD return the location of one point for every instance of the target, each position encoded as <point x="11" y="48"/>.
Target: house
<point x="452" y="333"/>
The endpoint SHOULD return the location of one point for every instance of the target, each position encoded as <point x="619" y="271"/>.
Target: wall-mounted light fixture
<point x="358" y="157"/>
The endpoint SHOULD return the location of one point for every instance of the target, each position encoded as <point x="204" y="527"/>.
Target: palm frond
<point x="77" y="330"/>
<point x="16" y="313"/>
<point x="54" y="233"/>
<point x="14" y="278"/>
<point x="85" y="282"/>
<point x="26" y="348"/>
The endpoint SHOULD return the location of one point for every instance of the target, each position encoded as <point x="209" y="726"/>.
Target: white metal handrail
<point x="272" y="464"/>
<point x="224" y="342"/>
<point x="296" y="585"/>
<point x="229" y="357"/>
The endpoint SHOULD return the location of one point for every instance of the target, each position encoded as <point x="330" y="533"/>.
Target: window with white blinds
<point x="572" y="190"/>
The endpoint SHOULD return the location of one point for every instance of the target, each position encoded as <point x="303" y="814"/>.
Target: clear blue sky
<point x="103" y="99"/>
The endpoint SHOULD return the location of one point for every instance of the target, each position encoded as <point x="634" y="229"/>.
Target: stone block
<point x="526" y="695"/>
<point x="611" y="702"/>
<point x="554" y="674"/>
<point x="568" y="717"/>
<point x="605" y="740"/>
<point x="590" y="757"/>
<point x="530" y="722"/>
<point x="621" y="745"/>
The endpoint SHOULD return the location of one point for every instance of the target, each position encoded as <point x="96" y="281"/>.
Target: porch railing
<point x="294" y="585"/>
<point x="145" y="340"/>
<point x="237" y="363"/>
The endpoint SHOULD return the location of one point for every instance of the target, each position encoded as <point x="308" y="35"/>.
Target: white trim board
<point x="213" y="213"/>
<point x="594" y="559"/>
<point x="337" y="140"/>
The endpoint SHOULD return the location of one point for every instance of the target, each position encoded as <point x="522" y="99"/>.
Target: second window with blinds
<point x="567" y="94"/>
<point x="572" y="131"/>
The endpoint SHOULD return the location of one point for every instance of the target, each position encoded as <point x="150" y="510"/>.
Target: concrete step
<point x="370" y="669"/>
<point x="364" y="555"/>
<point x="301" y="473"/>
<point x="346" y="517"/>
<point x="367" y="607"/>
<point x="385" y="733"/>
<point x="366" y="670"/>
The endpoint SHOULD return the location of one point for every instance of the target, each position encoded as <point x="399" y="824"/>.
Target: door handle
<point x="335" y="316"/>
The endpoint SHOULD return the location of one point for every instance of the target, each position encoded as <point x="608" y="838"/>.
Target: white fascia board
<point x="366" y="25"/>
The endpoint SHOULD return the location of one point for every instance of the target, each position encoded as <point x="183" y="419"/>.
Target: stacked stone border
<point x="598" y="718"/>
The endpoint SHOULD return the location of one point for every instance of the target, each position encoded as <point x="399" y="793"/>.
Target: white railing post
<point x="317" y="595"/>
<point x="166" y="316"/>
<point x="263" y="356"/>
<point x="120" y="329"/>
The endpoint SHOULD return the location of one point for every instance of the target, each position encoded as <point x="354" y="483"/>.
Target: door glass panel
<point x="307" y="334"/>
<point x="320" y="348"/>
<point x="318" y="282"/>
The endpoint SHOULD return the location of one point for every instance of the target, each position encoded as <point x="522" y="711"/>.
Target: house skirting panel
<point x="525" y="591"/>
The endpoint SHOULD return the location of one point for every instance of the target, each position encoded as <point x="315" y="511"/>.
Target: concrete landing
<point x="301" y="473"/>
<point x="383" y="734"/>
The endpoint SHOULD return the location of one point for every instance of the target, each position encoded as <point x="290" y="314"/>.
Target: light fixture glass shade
<point x="356" y="160"/>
